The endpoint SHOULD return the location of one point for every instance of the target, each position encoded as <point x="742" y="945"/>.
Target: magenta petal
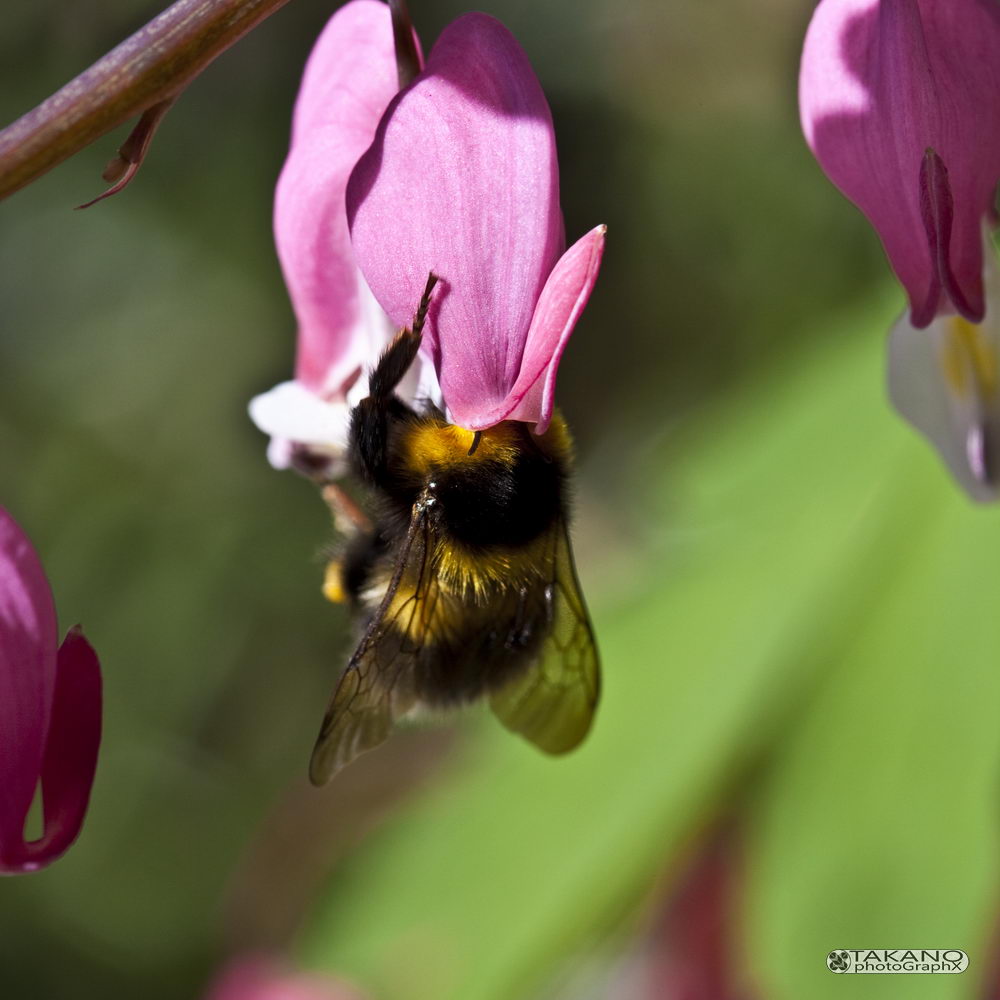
<point x="348" y="82"/>
<point x="882" y="84"/>
<point x="699" y="955"/>
<point x="27" y="680"/>
<point x="70" y="752"/>
<point x="462" y="181"/>
<point x="559" y="307"/>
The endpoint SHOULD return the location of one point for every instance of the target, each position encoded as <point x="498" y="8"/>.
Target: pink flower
<point x="266" y="979"/>
<point x="455" y="175"/>
<point x="697" y="949"/>
<point x="50" y="711"/>
<point x="348" y="82"/>
<point x="900" y="102"/>
<point x="462" y="181"/>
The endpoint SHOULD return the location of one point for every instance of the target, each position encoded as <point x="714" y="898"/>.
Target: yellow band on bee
<point x="435" y="445"/>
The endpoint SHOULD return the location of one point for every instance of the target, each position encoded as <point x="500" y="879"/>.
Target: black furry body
<point x="479" y="510"/>
<point x="463" y="586"/>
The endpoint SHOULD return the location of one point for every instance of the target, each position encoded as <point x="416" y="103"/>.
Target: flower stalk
<point x="145" y="72"/>
<point x="408" y="61"/>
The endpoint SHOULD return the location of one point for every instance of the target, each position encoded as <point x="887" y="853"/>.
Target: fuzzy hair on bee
<point x="463" y="586"/>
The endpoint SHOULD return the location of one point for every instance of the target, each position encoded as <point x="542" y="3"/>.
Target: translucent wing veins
<point x="552" y="704"/>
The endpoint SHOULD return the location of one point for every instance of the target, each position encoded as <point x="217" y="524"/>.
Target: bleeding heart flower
<point x="462" y="181"/>
<point x="50" y="711"/>
<point x="900" y="102"/>
<point x="349" y="79"/>
<point x="696" y="951"/>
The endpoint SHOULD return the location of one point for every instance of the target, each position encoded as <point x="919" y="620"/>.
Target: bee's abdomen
<point x="481" y="650"/>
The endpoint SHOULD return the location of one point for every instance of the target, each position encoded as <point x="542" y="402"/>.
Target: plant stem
<point x="152" y="66"/>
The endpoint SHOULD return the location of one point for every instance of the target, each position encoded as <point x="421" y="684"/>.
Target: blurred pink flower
<point x="259" y="978"/>
<point x="697" y="950"/>
<point x="900" y="102"/>
<point x="50" y="711"/>
<point x="462" y="181"/>
<point x="349" y="79"/>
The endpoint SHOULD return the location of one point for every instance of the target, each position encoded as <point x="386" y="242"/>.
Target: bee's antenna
<point x="425" y="303"/>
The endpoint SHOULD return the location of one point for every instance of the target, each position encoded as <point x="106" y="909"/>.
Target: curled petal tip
<point x="559" y="307"/>
<point x="50" y="712"/>
<point x="72" y="747"/>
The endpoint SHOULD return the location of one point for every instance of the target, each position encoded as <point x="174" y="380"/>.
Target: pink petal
<point x="559" y="307"/>
<point x="886" y="82"/>
<point x="698" y="955"/>
<point x="462" y="181"/>
<point x="27" y="680"/>
<point x="70" y="752"/>
<point x="348" y="82"/>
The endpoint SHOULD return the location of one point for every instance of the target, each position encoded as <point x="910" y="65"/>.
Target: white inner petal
<point x="292" y="412"/>
<point x="945" y="380"/>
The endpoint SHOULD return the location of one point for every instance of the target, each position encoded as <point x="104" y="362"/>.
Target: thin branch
<point x="148" y="69"/>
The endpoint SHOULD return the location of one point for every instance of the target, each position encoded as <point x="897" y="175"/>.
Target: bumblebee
<point x="463" y="585"/>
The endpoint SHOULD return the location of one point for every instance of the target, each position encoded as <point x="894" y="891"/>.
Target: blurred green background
<point x="798" y="612"/>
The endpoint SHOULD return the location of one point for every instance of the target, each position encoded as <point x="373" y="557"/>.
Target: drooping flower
<point x="462" y="181"/>
<point x="50" y="711"/>
<point x="697" y="953"/>
<point x="900" y="103"/>
<point x="349" y="79"/>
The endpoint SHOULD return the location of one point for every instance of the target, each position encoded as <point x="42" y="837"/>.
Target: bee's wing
<point x="374" y="689"/>
<point x="553" y="702"/>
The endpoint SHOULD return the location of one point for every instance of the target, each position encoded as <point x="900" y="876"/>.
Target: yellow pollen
<point x="968" y="360"/>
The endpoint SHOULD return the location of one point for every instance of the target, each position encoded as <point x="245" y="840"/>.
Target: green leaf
<point x="876" y="826"/>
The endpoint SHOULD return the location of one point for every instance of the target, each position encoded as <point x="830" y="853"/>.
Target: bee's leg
<point x="348" y="576"/>
<point x="371" y="418"/>
<point x="348" y="517"/>
<point x="393" y="365"/>
<point x="370" y="421"/>
<point x="333" y="582"/>
<point x="401" y="353"/>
